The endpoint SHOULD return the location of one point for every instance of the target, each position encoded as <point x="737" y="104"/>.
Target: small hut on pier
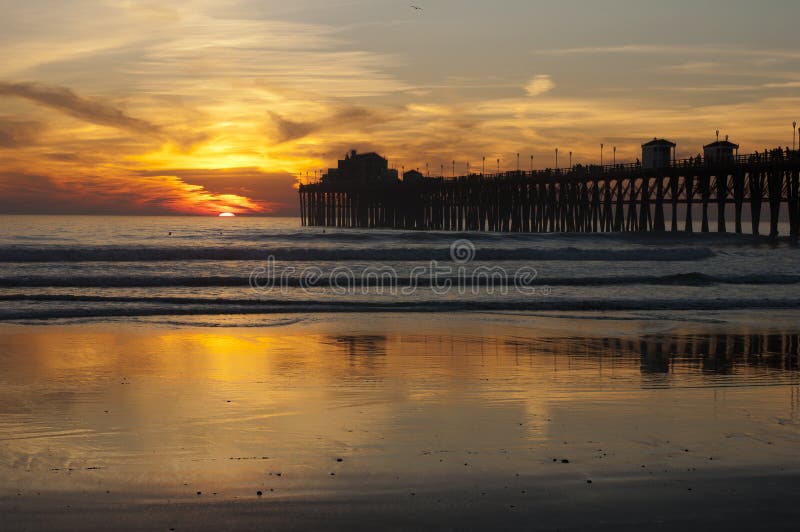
<point x="721" y="151"/>
<point x="657" y="153"/>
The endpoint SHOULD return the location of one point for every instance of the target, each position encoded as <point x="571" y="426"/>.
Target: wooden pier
<point x="615" y="198"/>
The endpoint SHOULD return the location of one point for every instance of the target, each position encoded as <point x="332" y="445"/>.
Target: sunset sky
<point x="201" y="106"/>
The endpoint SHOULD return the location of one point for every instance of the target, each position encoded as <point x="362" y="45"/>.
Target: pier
<point x="731" y="195"/>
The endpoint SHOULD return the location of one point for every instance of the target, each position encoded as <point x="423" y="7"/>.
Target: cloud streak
<point x="67" y="101"/>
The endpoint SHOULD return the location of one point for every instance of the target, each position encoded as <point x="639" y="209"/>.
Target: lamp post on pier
<point x="794" y="134"/>
<point x="483" y="166"/>
<point x="498" y="166"/>
<point x="615" y="156"/>
<point x="556" y="158"/>
<point x="454" y="169"/>
<point x="531" y="163"/>
<point x="601" y="153"/>
<point x="570" y="160"/>
<point x="517" y="162"/>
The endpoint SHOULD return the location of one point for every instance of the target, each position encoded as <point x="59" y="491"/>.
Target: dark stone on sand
<point x="340" y="459"/>
<point x="259" y="493"/>
<point x="564" y="461"/>
<point x="199" y="492"/>
<point x="333" y="474"/>
<point x="588" y="481"/>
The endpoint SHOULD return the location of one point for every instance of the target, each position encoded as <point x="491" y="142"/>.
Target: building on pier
<point x="657" y="153"/>
<point x="721" y="151"/>
<point x="361" y="168"/>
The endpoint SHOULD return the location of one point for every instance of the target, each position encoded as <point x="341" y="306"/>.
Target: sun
<point x="226" y="215"/>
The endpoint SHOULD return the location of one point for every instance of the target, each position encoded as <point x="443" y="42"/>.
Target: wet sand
<point x="730" y="500"/>
<point x="356" y="422"/>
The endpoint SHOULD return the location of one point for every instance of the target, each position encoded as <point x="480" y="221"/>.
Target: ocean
<point x="241" y="271"/>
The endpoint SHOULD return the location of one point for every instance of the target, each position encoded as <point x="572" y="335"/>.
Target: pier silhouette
<point x="596" y="198"/>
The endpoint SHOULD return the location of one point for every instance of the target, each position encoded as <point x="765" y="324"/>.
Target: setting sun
<point x="226" y="215"/>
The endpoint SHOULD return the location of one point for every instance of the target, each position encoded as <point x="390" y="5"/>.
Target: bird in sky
<point x="417" y="8"/>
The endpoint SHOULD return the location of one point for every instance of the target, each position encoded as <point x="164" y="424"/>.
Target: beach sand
<point x="403" y="421"/>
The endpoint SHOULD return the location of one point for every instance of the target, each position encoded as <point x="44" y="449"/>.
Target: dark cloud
<point x="18" y="133"/>
<point x="349" y="116"/>
<point x="290" y="130"/>
<point x="90" y="110"/>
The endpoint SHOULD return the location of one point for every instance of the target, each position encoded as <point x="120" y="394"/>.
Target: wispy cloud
<point x="540" y="85"/>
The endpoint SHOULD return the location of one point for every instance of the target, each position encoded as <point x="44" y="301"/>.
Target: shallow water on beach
<point x="393" y="403"/>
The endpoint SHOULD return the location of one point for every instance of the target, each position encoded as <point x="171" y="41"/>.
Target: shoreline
<point x="764" y="318"/>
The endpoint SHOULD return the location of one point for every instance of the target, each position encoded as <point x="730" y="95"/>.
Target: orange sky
<point x="138" y="107"/>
